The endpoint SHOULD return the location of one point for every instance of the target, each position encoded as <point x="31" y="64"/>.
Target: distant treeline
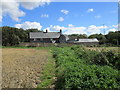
<point x="13" y="36"/>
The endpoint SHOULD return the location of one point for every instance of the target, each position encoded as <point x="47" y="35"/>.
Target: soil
<point x="21" y="68"/>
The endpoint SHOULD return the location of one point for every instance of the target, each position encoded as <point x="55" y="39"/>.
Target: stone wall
<point x="39" y="44"/>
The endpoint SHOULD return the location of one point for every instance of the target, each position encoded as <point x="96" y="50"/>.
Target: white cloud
<point x="0" y="15"/>
<point x="90" y="10"/>
<point x="34" y="4"/>
<point x="98" y="16"/>
<point x="115" y="26"/>
<point x="44" y="16"/>
<point x="71" y="29"/>
<point x="57" y="28"/>
<point x="0" y="18"/>
<point x="92" y="29"/>
<point x="112" y="30"/>
<point x="65" y="11"/>
<point x="76" y="30"/>
<point x="29" y="25"/>
<point x="12" y="8"/>
<point x="54" y="28"/>
<point x="118" y="27"/>
<point x="61" y="19"/>
<point x="70" y="25"/>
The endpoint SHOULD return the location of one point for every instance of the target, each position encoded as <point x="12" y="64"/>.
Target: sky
<point x="72" y="17"/>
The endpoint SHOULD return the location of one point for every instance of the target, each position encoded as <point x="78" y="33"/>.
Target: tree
<point x="100" y="37"/>
<point x="78" y="36"/>
<point x="113" y="37"/>
<point x="82" y="36"/>
<point x="10" y="36"/>
<point x="13" y="36"/>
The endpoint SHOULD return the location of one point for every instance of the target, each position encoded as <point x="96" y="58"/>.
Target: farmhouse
<point x="58" y="37"/>
<point x="48" y="37"/>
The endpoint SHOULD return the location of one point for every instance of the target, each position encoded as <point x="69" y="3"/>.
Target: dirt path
<point x="21" y="67"/>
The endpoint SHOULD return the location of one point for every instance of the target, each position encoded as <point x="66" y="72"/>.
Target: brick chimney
<point x="46" y="30"/>
<point x="60" y="31"/>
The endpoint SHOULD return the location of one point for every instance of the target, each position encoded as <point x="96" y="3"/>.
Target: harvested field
<point x="21" y="68"/>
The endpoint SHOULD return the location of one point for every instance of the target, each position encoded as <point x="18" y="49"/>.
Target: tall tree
<point x="113" y="37"/>
<point x="100" y="37"/>
<point x="13" y="36"/>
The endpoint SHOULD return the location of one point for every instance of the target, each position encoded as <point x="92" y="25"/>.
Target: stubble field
<point x="22" y="67"/>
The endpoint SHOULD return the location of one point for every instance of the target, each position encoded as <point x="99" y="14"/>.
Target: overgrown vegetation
<point x="79" y="68"/>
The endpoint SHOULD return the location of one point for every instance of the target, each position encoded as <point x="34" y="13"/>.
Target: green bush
<point x="76" y="69"/>
<point x="86" y="55"/>
<point x="89" y="77"/>
<point x="108" y="58"/>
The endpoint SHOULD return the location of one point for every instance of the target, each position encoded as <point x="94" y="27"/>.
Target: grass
<point x="25" y="47"/>
<point x="48" y="75"/>
<point x="0" y="46"/>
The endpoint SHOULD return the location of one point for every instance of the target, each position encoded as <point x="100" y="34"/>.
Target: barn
<point x="87" y="41"/>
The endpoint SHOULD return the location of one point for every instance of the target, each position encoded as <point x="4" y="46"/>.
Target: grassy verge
<point x="0" y="46"/>
<point x="25" y="47"/>
<point x="48" y="75"/>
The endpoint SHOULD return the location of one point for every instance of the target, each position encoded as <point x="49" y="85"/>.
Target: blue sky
<point x="71" y="17"/>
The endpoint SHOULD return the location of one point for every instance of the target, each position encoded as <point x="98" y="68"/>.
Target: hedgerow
<point x="77" y="69"/>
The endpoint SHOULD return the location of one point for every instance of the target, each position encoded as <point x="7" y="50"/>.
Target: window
<point x="38" y="39"/>
<point x="41" y="39"/>
<point x="34" y="39"/>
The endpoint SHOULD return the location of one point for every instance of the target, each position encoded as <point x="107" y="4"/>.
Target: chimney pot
<point x="46" y="30"/>
<point x="60" y="31"/>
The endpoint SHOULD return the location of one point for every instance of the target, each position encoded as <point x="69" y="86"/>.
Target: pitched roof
<point x="88" y="40"/>
<point x="44" y="34"/>
<point x="85" y="40"/>
<point x="67" y="38"/>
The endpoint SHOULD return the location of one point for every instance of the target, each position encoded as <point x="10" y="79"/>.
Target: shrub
<point x="88" y="77"/>
<point x="108" y="58"/>
<point x="76" y="69"/>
